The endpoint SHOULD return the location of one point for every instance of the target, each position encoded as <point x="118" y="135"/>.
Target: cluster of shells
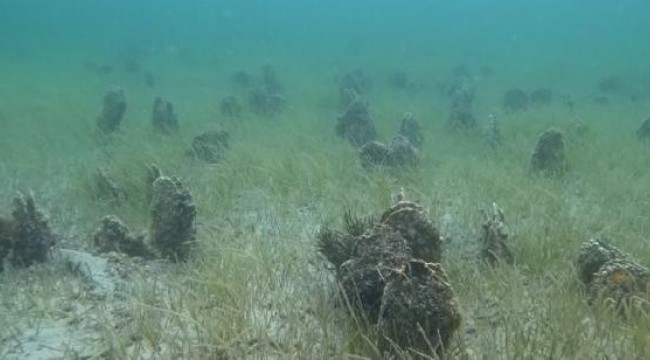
<point x="612" y="276"/>
<point x="389" y="271"/>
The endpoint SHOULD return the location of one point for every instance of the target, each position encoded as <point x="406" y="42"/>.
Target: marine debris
<point x="612" y="276"/>
<point x="25" y="236"/>
<point x="516" y="99"/>
<point x="163" y="116"/>
<point x="355" y="123"/>
<point x="387" y="273"/>
<point x="410" y="129"/>
<point x="114" y="235"/>
<point x="209" y="146"/>
<point x="113" y="109"/>
<point x="494" y="248"/>
<point x="173" y="213"/>
<point x="548" y="158"/>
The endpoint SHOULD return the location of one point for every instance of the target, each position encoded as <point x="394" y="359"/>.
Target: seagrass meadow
<point x="266" y="85"/>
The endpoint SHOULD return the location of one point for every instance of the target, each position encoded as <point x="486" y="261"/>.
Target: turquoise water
<point x="567" y="41"/>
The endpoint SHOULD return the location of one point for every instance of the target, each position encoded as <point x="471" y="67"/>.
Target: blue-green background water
<point x="192" y="48"/>
<point x="560" y="38"/>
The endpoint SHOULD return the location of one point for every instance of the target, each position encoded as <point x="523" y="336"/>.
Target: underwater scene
<point x="301" y="179"/>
